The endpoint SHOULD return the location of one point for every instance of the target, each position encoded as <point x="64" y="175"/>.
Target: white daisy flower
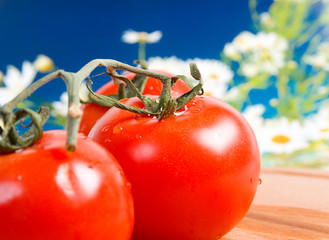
<point x="249" y="70"/>
<point x="44" y="64"/>
<point x="318" y="61"/>
<point x="231" y="51"/>
<point x="245" y="42"/>
<point x="232" y="95"/>
<point x="213" y="70"/>
<point x="266" y="19"/>
<point x="15" y="81"/>
<point x="260" y="53"/>
<point x="131" y="36"/>
<point x="281" y="136"/>
<point x="317" y="125"/>
<point x="61" y="106"/>
<point x="170" y="64"/>
<point x="215" y="74"/>
<point x="253" y="114"/>
<point x="270" y="52"/>
<point x="321" y="58"/>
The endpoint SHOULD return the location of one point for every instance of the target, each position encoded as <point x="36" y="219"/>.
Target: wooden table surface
<point x="289" y="204"/>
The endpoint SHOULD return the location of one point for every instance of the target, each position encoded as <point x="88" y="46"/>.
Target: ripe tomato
<point x="48" y="193"/>
<point x="92" y="112"/>
<point x="194" y="175"/>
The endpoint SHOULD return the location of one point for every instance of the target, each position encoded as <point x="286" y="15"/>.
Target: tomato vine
<point x="11" y="141"/>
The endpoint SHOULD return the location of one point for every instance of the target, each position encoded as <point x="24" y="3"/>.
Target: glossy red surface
<point x="48" y="193"/>
<point x="194" y="175"/>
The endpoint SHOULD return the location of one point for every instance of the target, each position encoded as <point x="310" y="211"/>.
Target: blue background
<point x="74" y="32"/>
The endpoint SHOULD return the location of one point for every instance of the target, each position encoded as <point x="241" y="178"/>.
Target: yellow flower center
<point x="142" y="36"/>
<point x="324" y="130"/>
<point x="213" y="76"/>
<point x="281" y="139"/>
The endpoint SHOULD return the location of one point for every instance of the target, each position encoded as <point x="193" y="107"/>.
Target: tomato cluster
<point x="192" y="175"/>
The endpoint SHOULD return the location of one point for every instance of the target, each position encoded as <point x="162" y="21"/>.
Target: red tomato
<point x="194" y="175"/>
<point x="49" y="193"/>
<point x="92" y="112"/>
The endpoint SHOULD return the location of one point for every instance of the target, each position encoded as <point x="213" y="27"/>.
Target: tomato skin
<point x="49" y="193"/>
<point x="193" y="175"/>
<point x="92" y="112"/>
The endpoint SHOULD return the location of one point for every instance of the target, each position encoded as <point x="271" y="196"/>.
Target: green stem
<point x="74" y="112"/>
<point x="254" y="14"/>
<point x="128" y="82"/>
<point x="114" y="65"/>
<point x="165" y="94"/>
<point x="106" y="101"/>
<point x="282" y="93"/>
<point x="121" y="91"/>
<point x="73" y="82"/>
<point x="141" y="51"/>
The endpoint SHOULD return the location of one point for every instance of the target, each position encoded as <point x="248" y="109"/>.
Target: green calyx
<point x="164" y="106"/>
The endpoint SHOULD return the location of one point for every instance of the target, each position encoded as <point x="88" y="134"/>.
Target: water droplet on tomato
<point x="195" y="110"/>
<point x="138" y="136"/>
<point x="260" y="181"/>
<point x="105" y="129"/>
<point x="117" y="129"/>
<point x="19" y="177"/>
<point x="107" y="141"/>
<point x="137" y="116"/>
<point x="128" y="185"/>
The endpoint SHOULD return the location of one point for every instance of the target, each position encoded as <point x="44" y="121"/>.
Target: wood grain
<point x="289" y="204"/>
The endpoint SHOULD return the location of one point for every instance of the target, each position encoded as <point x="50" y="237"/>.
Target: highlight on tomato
<point x="47" y="192"/>
<point x="194" y="174"/>
<point x="153" y="86"/>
